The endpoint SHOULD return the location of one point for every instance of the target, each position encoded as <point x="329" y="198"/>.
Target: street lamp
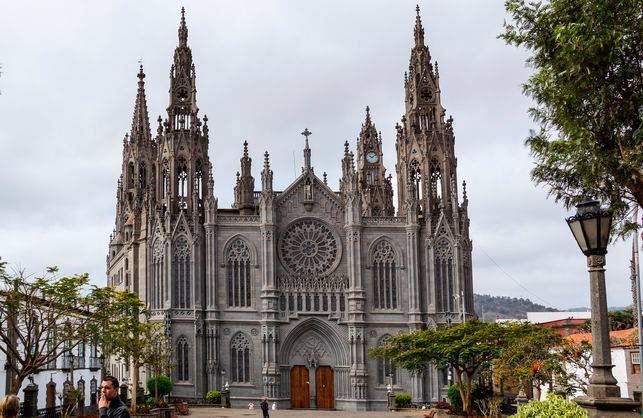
<point x="591" y="228"/>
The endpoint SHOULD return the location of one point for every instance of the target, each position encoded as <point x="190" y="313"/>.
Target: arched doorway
<point x="316" y="361"/>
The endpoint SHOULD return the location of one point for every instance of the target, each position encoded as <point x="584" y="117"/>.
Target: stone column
<point x="602" y="392"/>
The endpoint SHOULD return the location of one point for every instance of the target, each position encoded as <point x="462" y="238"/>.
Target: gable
<point x="293" y="202"/>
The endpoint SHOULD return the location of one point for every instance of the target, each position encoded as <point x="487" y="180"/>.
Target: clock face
<point x="372" y="157"/>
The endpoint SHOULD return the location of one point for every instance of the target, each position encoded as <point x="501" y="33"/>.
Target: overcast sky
<point x="265" y="71"/>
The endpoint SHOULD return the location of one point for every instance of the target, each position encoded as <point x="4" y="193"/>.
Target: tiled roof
<point x="620" y="338"/>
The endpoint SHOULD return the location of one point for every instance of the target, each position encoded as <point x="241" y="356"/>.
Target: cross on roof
<point x="306" y="133"/>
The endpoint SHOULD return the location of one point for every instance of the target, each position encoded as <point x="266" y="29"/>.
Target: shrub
<point x="553" y="406"/>
<point x="213" y="396"/>
<point x="164" y="385"/>
<point x="402" y="400"/>
<point x="482" y="392"/>
<point x="454" y="397"/>
<point x="443" y="405"/>
<point x="151" y="402"/>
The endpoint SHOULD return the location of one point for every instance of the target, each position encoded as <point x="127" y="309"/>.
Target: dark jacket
<point x="264" y="406"/>
<point x="117" y="409"/>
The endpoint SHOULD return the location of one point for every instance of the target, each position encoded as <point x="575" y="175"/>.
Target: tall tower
<point x="427" y="173"/>
<point x="183" y="141"/>
<point x="132" y="197"/>
<point x="373" y="185"/>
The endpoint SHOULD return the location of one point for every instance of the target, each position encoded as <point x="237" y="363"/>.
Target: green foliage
<point x="127" y="333"/>
<point x="49" y="314"/>
<point x="402" y="400"/>
<point x="467" y="347"/>
<point x="532" y="357"/>
<point x="618" y="320"/>
<point x="553" y="406"/>
<point x="213" y="396"/>
<point x="161" y="383"/>
<point x="454" y="396"/>
<point x="588" y="90"/>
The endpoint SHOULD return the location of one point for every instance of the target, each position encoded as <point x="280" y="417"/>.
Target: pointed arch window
<point x="182" y="179"/>
<point x="238" y="274"/>
<point x="157" y="288"/>
<point x="240" y="358"/>
<point x="444" y="273"/>
<point x="198" y="180"/>
<point x="415" y="176"/>
<point x="130" y="175"/>
<point x="385" y="289"/>
<point x="142" y="176"/>
<point x="386" y="371"/>
<point x="436" y="176"/>
<point x="165" y="185"/>
<point x="181" y="274"/>
<point x="182" y="360"/>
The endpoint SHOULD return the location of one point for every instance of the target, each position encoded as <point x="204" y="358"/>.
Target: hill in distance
<point x="488" y="307"/>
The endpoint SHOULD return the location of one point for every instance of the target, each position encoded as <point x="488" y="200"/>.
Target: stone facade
<point x="283" y="294"/>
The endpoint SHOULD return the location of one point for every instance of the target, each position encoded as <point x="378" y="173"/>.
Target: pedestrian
<point x="110" y="404"/>
<point x="265" y="408"/>
<point x="9" y="406"/>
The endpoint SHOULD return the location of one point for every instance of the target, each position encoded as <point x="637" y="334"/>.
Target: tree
<point x="533" y="356"/>
<point x="157" y="355"/>
<point x="41" y="319"/>
<point x="618" y="320"/>
<point x="588" y="92"/>
<point x="127" y="334"/>
<point x="467" y="347"/>
<point x="578" y="367"/>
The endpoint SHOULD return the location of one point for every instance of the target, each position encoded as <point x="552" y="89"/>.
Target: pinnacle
<point x="419" y="30"/>
<point x="266" y="160"/>
<point x="183" y="29"/>
<point x="140" y="118"/>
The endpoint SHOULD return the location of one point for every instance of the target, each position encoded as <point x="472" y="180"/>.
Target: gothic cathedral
<point x="283" y="294"/>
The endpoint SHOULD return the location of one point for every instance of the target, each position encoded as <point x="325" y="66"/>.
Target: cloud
<point x="265" y="71"/>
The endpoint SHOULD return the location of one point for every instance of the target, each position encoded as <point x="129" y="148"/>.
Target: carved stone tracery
<point x="309" y="247"/>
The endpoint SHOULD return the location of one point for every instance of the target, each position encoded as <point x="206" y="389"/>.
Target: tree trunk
<point x="464" y="387"/>
<point x="135" y="370"/>
<point x="16" y="383"/>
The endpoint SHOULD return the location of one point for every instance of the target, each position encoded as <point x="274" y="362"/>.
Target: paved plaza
<point x="299" y="413"/>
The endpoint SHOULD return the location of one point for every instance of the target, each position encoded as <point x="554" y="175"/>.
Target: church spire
<point x="419" y="30"/>
<point x="183" y="30"/>
<point x="140" y="119"/>
<point x="182" y="110"/>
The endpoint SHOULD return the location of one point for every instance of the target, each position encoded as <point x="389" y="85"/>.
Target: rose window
<point x="309" y="247"/>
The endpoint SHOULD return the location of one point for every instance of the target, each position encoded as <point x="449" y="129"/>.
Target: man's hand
<point x="103" y="402"/>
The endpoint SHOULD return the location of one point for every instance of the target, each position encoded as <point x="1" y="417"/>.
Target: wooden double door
<point x="300" y="390"/>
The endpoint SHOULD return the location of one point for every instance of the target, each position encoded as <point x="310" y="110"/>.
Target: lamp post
<point x="591" y="228"/>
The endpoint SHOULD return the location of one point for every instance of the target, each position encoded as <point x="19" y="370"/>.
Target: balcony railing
<point x="94" y="363"/>
<point x="75" y="362"/>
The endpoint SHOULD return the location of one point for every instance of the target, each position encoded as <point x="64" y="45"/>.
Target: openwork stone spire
<point x="419" y="30"/>
<point x="140" y="119"/>
<point x="183" y="30"/>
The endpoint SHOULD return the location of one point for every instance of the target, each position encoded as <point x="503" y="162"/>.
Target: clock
<point x="372" y="157"/>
